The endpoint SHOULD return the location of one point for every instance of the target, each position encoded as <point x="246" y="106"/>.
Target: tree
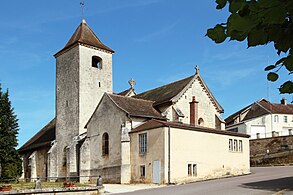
<point x="10" y="161"/>
<point x="260" y="22"/>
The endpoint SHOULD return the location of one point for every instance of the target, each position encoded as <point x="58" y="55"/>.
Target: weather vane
<point x="82" y="8"/>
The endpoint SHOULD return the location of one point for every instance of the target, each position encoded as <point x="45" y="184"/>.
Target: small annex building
<point x="173" y="133"/>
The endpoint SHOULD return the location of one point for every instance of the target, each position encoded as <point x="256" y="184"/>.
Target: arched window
<point x="200" y="122"/>
<point x="97" y="62"/>
<point x="105" y="144"/>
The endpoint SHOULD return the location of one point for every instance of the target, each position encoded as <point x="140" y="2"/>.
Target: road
<point x="262" y="181"/>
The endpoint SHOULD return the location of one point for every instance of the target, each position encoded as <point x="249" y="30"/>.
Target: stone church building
<point x="169" y="134"/>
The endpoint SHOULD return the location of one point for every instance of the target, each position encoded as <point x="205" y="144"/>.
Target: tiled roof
<point x="127" y="92"/>
<point x="42" y="138"/>
<point x="152" y="124"/>
<point x="165" y="93"/>
<point x="136" y="107"/>
<point x="277" y="108"/>
<point x="84" y="34"/>
<point x="260" y="108"/>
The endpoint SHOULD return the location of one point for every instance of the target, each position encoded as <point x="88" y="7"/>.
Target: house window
<point x="105" y="144"/>
<point x="235" y="145"/>
<point x="290" y="131"/>
<point x="142" y="143"/>
<point x="189" y="169"/>
<point x="97" y="62"/>
<point x="194" y="170"/>
<point x="285" y="119"/>
<point x="142" y="171"/>
<point x="276" y="118"/>
<point x="230" y="145"/>
<point x="240" y="146"/>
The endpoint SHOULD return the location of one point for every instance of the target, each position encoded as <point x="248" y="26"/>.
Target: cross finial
<point x="196" y="69"/>
<point x="82" y="8"/>
<point x="131" y="83"/>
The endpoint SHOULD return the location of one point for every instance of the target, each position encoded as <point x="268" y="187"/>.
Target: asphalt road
<point x="264" y="180"/>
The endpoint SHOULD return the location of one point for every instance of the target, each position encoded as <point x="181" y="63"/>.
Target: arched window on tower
<point x="105" y="144"/>
<point x="97" y="62"/>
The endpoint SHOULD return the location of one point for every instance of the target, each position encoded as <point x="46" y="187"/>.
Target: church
<point x="173" y="133"/>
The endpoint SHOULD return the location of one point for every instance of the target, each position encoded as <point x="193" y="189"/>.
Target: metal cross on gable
<point x="131" y="83"/>
<point x="196" y="69"/>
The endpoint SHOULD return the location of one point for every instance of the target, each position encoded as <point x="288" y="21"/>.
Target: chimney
<point x="284" y="101"/>
<point x="193" y="111"/>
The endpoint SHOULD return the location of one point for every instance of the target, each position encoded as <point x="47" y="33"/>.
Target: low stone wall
<point x="270" y="145"/>
<point x="59" y="191"/>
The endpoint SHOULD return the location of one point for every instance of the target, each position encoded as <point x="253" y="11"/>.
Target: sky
<point x="155" y="41"/>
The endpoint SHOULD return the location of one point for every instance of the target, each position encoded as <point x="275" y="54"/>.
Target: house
<point x="263" y="119"/>
<point x="169" y="134"/>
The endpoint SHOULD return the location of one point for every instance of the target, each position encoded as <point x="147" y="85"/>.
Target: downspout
<point x="169" y="156"/>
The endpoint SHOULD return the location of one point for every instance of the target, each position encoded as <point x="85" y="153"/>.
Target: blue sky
<point x="156" y="42"/>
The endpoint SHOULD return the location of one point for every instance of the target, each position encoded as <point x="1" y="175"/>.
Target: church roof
<point x="173" y="91"/>
<point x="136" y="107"/>
<point x="126" y="92"/>
<point x="165" y="93"/>
<point x="152" y="124"/>
<point x="43" y="138"/>
<point x="84" y="34"/>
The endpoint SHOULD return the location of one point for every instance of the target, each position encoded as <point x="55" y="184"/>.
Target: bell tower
<point x="83" y="74"/>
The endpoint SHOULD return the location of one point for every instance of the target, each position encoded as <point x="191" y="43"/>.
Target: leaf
<point x="280" y="61"/>
<point x="221" y="4"/>
<point x="288" y="62"/>
<point x="217" y="34"/>
<point x="272" y="76"/>
<point x="236" y="5"/>
<point x="286" y="87"/>
<point x="270" y="67"/>
<point x="275" y="15"/>
<point x="257" y="37"/>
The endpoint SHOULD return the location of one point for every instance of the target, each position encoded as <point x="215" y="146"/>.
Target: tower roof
<point x="84" y="34"/>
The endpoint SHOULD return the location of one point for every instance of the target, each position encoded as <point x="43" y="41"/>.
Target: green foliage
<point x="260" y="22"/>
<point x="10" y="160"/>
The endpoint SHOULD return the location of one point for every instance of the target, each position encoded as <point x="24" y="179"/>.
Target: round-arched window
<point x="105" y="144"/>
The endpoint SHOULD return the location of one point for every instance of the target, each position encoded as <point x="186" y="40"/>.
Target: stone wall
<point x="259" y="147"/>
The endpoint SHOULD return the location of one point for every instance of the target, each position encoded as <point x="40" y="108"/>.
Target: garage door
<point x="257" y="132"/>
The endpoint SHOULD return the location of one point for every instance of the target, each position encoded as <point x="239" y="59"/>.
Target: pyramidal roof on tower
<point x="84" y="34"/>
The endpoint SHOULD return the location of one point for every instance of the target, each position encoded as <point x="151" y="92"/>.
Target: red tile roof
<point x="152" y="124"/>
<point x="260" y="108"/>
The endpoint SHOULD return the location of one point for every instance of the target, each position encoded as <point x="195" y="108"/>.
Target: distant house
<point x="263" y="119"/>
<point x="169" y="134"/>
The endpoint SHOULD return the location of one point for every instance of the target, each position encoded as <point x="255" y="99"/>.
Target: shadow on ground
<point x="272" y="185"/>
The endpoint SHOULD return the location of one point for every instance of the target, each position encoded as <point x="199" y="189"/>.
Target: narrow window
<point x="230" y="145"/>
<point x="235" y="145"/>
<point x="142" y="171"/>
<point x="285" y="119"/>
<point x="240" y="146"/>
<point x="200" y="122"/>
<point x="105" y="144"/>
<point x="290" y="131"/>
<point x="99" y="84"/>
<point x="276" y="118"/>
<point x="97" y="62"/>
<point x="142" y="143"/>
<point x="194" y="171"/>
<point x="189" y="171"/>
